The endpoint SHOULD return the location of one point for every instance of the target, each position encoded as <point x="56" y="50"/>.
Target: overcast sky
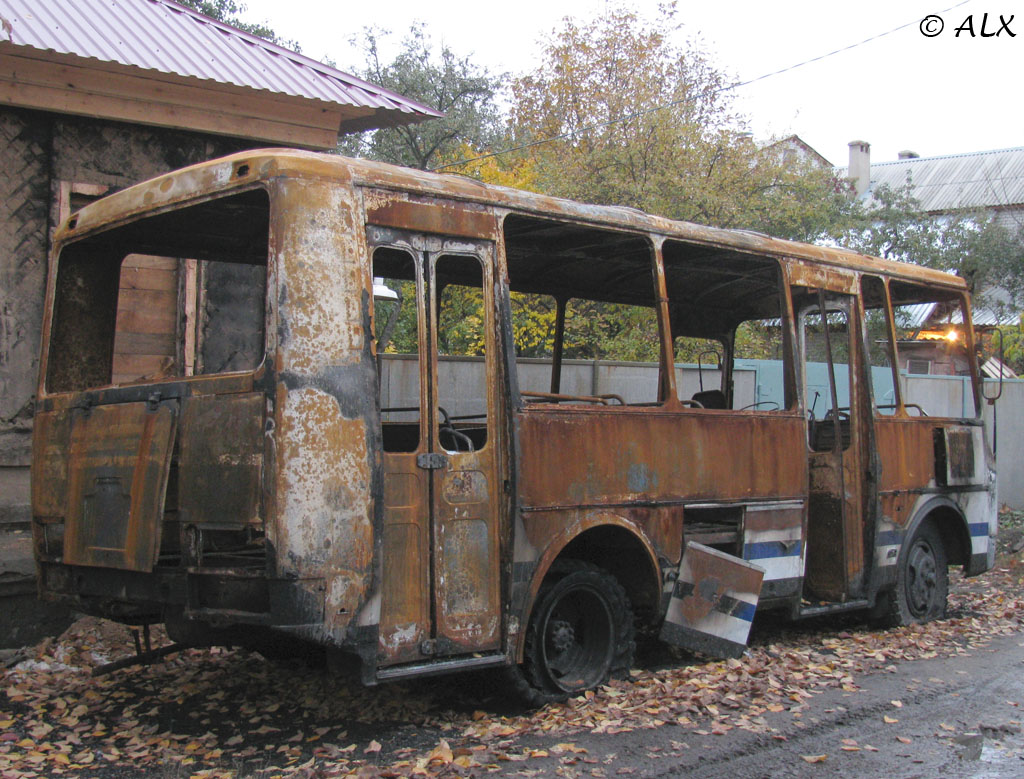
<point x="933" y="95"/>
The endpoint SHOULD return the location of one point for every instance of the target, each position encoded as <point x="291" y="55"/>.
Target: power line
<point x="674" y="103"/>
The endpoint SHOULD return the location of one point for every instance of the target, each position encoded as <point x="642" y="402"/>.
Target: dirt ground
<point x="810" y="699"/>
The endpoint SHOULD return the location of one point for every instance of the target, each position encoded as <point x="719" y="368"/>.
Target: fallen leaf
<point x="442" y="753"/>
<point x="373" y="748"/>
<point x="889" y="720"/>
<point x="814" y="758"/>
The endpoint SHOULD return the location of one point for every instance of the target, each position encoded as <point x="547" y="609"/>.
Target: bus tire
<point x="580" y="634"/>
<point x="922" y="581"/>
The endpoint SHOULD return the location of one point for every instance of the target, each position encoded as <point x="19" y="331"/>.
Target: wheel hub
<point x="562" y="634"/>
<point x="922" y="578"/>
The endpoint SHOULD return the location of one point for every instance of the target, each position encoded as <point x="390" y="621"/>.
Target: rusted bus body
<point x="285" y="474"/>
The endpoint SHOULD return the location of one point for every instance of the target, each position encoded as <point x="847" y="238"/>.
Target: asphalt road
<point x="956" y="716"/>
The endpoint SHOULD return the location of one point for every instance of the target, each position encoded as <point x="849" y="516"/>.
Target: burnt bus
<point x="294" y="395"/>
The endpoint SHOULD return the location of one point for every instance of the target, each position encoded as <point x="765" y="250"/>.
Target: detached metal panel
<point x="713" y="602"/>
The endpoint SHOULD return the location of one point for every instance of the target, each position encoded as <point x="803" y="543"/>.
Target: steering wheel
<point x="447" y="428"/>
<point x="774" y="405"/>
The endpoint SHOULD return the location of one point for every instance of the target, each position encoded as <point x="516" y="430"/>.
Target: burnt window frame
<point x="726" y="335"/>
<point x="940" y="294"/>
<point x="56" y="368"/>
<point x="562" y="294"/>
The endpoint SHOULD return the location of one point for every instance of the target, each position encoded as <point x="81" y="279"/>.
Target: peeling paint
<point x="324" y="528"/>
<point x="321" y="323"/>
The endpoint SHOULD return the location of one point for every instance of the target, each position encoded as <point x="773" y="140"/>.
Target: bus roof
<point x="227" y="173"/>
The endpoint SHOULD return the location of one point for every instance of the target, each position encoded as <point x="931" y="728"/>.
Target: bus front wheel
<point x="922" y="581"/>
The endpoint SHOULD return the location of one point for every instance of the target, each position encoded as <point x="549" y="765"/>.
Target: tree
<point x="462" y="91"/>
<point x="229" y="12"/>
<point x="641" y="122"/>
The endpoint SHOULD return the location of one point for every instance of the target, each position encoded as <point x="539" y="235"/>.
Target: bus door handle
<point x="432" y="461"/>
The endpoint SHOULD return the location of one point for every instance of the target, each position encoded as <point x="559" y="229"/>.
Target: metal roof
<point x="162" y="36"/>
<point x="991" y="307"/>
<point x="982" y="179"/>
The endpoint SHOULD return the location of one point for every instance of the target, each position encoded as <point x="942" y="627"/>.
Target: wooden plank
<point x="144" y="343"/>
<point x="78" y="90"/>
<point x="116" y="80"/>
<point x="165" y="301"/>
<point x="133" y="367"/>
<point x="149" y="278"/>
<point x="147" y="311"/>
<point x="150" y="261"/>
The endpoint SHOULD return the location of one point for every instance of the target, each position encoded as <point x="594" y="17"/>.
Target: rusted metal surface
<point x="641" y="468"/>
<point x="118" y="461"/>
<point x="907" y="452"/>
<point x="466" y="551"/>
<point x="52" y="434"/>
<point x="713" y="602"/>
<point x="394" y="209"/>
<point x="775" y="539"/>
<point x="648" y="456"/>
<point x="442" y="513"/>
<point x="215" y="175"/>
<point x="220" y="478"/>
<point x="405" y="550"/>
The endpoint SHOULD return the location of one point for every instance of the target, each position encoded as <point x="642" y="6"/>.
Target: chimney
<point x="860" y="166"/>
<point x="907" y="154"/>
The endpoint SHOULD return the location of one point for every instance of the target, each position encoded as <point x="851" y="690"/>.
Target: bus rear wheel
<point x="580" y="634"/>
<point x="922" y="581"/>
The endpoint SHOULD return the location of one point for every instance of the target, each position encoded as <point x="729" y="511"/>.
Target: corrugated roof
<point x="992" y="307"/>
<point x="982" y="179"/>
<point x="162" y="36"/>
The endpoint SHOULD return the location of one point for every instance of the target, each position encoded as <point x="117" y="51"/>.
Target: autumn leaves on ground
<point x="227" y="713"/>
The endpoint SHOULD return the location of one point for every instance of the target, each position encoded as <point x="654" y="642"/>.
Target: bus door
<point x="438" y="399"/>
<point x="838" y="455"/>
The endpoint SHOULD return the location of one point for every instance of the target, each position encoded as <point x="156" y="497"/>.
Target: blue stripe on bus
<point x="979" y="529"/>
<point x="889" y="538"/>
<point x="726" y="604"/>
<point x="894" y="537"/>
<point x="743" y="610"/>
<point x="765" y="549"/>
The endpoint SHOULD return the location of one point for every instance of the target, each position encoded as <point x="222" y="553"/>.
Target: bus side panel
<point x="594" y="457"/>
<point x="325" y="434"/>
<point x="649" y="465"/>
